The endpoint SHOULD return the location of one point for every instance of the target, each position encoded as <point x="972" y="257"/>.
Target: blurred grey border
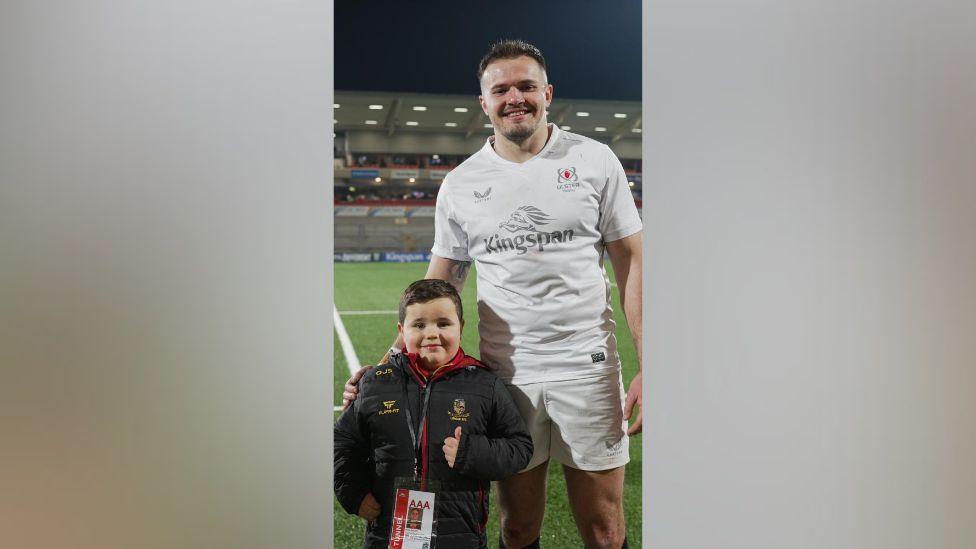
<point x="165" y="250"/>
<point x="810" y="206"/>
<point x="165" y="236"/>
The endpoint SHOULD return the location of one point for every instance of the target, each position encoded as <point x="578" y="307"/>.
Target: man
<point x="535" y="208"/>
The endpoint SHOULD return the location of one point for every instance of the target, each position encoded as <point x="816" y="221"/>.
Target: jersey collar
<point x="494" y="156"/>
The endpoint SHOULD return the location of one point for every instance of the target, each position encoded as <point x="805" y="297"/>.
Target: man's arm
<point x="441" y="268"/>
<point x="451" y="270"/>
<point x="627" y="259"/>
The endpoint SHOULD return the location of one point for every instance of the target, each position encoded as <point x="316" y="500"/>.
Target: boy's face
<point x="433" y="331"/>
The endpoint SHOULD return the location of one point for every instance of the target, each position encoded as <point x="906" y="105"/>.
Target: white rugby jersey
<point x="537" y="231"/>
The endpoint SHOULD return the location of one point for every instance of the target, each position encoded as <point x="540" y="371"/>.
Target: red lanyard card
<point x="413" y="524"/>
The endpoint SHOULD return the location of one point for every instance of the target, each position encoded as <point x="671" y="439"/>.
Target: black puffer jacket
<point x="373" y="444"/>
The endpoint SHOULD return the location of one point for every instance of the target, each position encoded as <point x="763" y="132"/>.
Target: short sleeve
<point x="450" y="240"/>
<point x="618" y="213"/>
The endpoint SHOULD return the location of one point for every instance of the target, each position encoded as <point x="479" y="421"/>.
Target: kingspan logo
<point x="527" y="220"/>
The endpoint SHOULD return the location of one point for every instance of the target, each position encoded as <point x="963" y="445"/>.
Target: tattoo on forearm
<point x="459" y="271"/>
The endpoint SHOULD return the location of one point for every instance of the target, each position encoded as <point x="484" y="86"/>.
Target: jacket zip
<point x="427" y="386"/>
<point x="424" y="459"/>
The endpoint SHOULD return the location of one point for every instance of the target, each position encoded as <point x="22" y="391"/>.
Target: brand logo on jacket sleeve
<point x="388" y="408"/>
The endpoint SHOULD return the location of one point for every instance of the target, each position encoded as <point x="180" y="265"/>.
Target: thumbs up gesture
<point x="451" y="446"/>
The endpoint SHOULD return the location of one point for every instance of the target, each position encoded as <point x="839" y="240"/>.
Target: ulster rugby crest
<point x="568" y="180"/>
<point x="457" y="411"/>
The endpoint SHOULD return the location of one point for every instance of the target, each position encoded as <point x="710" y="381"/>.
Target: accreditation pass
<point x="413" y="520"/>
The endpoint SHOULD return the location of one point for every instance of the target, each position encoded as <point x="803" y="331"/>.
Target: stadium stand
<point x="392" y="151"/>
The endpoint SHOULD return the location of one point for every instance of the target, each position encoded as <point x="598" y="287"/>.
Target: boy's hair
<point x="510" y="49"/>
<point x="426" y="290"/>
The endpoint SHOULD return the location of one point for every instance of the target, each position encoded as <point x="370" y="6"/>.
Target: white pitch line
<point x="347" y="349"/>
<point x="337" y="408"/>
<point x="368" y="312"/>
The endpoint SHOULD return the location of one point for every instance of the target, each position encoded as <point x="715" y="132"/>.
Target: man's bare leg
<point x="596" y="498"/>
<point x="522" y="506"/>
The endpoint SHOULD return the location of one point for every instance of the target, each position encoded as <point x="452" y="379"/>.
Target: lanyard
<point x="417" y="454"/>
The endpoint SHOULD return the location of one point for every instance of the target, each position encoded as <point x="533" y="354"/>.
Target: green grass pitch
<point x="377" y="287"/>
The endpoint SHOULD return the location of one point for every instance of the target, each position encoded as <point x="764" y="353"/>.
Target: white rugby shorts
<point x="579" y="423"/>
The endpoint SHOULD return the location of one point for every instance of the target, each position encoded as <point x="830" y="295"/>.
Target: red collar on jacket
<point x="459" y="362"/>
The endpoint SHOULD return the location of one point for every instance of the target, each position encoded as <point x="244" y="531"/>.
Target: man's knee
<point x="518" y="533"/>
<point x="604" y="532"/>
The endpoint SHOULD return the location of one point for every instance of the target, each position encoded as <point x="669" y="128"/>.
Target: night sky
<point x="593" y="48"/>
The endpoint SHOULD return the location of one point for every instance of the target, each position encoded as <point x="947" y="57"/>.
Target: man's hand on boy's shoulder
<point x="351" y="388"/>
<point x="369" y="509"/>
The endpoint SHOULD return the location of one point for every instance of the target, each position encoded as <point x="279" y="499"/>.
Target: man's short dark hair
<point x="510" y="49"/>
<point x="426" y="290"/>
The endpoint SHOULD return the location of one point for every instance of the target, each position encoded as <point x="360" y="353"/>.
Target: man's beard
<point x="520" y="133"/>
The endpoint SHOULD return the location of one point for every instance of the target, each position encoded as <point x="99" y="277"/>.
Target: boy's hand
<point x="369" y="509"/>
<point x="451" y="447"/>
<point x="350" y="391"/>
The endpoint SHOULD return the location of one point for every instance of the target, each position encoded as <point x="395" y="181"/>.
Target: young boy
<point x="466" y="427"/>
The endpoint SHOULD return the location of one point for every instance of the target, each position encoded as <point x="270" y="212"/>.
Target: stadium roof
<point x="391" y="112"/>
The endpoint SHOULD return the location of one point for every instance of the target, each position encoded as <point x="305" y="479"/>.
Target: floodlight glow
<point x="411" y="122"/>
<point x="376" y="107"/>
<point x="371" y="122"/>
<point x="619" y="115"/>
<point x="460" y="109"/>
<point x="582" y="113"/>
<point x="419" y="108"/>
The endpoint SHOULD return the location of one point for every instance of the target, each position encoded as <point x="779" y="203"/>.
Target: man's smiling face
<point x="514" y="95"/>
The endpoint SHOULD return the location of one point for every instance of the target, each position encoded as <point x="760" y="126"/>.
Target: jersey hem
<point x="551" y="378"/>
<point x="624" y="233"/>
<point x="440" y="252"/>
<point x="594" y="467"/>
